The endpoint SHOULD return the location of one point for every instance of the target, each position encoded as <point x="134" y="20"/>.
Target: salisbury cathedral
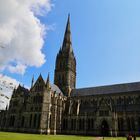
<point x="60" y="108"/>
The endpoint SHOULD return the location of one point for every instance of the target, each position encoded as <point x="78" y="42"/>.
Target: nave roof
<point x="108" y="89"/>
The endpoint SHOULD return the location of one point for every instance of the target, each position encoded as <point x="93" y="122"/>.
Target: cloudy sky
<point x="105" y="36"/>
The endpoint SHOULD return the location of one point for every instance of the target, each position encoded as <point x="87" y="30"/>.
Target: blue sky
<point x="105" y="37"/>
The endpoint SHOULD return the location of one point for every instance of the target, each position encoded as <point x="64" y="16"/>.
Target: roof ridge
<point x="108" y="85"/>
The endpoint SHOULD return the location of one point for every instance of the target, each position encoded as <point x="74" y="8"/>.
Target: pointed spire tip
<point x="69" y="15"/>
<point x="68" y="18"/>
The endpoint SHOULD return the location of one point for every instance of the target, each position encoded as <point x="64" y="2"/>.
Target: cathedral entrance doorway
<point x="104" y="128"/>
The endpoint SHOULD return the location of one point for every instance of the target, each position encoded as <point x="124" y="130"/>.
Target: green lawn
<point x="21" y="136"/>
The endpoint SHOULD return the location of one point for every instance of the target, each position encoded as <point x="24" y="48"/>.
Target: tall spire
<point x="65" y="66"/>
<point x="67" y="42"/>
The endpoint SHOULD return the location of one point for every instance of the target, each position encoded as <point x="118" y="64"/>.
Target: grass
<point x="21" y="136"/>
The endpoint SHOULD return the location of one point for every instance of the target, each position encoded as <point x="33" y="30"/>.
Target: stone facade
<point x="110" y="111"/>
<point x="38" y="110"/>
<point x="60" y="108"/>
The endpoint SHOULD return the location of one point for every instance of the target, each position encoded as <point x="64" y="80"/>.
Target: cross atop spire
<point x="67" y="42"/>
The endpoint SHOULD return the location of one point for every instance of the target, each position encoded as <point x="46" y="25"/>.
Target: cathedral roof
<point x="56" y="89"/>
<point x="109" y="89"/>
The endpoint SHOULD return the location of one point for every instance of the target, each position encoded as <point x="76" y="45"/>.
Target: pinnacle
<point x="48" y="78"/>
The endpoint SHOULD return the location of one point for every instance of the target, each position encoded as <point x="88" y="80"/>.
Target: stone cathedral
<point x="61" y="108"/>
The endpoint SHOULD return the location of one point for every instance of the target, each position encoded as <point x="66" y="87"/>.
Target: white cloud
<point x="21" y="34"/>
<point x="19" y="68"/>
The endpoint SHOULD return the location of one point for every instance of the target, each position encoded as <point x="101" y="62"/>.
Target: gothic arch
<point x="104" y="128"/>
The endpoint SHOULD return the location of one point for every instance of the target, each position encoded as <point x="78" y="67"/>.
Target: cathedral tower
<point x="65" y="67"/>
